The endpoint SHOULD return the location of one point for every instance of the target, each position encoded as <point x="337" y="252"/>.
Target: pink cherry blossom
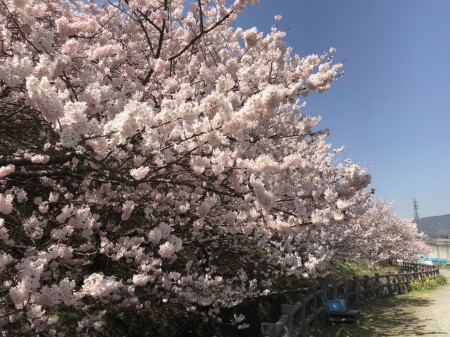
<point x="140" y="172"/>
<point x="6" y="170"/>
<point x="6" y="205"/>
<point x="166" y="250"/>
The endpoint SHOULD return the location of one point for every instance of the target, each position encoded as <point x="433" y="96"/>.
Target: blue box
<point x="336" y="306"/>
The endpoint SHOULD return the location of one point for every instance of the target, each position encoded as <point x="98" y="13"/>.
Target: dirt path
<point x="418" y="313"/>
<point x="424" y="314"/>
<point x="436" y="315"/>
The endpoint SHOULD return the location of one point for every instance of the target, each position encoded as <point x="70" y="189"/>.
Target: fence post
<point x="357" y="290"/>
<point x="267" y="329"/>
<point x="402" y="280"/>
<point x="334" y="291"/>
<point x="366" y="288"/>
<point x="397" y="282"/>
<point x="324" y="301"/>
<point x="345" y="291"/>
<point x="287" y="309"/>
<point x="388" y="278"/>
<point x="408" y="285"/>
<point x="304" y="332"/>
<point x="377" y="284"/>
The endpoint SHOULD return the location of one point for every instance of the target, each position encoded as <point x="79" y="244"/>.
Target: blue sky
<point x="391" y="110"/>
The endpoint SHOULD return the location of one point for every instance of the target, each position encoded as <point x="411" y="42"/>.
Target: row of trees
<point x="152" y="153"/>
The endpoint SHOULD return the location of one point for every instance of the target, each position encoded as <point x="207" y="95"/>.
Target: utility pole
<point x="416" y="212"/>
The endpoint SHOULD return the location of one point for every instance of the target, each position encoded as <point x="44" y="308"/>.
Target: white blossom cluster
<point x="6" y="170"/>
<point x="44" y="98"/>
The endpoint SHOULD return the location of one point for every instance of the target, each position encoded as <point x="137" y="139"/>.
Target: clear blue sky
<point x="391" y="110"/>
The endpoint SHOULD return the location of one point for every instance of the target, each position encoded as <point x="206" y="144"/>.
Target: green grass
<point x="347" y="269"/>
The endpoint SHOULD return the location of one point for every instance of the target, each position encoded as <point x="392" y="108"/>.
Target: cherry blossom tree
<point x="153" y="153"/>
<point x="380" y="235"/>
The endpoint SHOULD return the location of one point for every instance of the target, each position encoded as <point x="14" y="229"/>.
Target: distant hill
<point x="435" y="225"/>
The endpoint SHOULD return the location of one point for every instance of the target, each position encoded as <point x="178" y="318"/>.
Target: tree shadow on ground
<point x="389" y="316"/>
